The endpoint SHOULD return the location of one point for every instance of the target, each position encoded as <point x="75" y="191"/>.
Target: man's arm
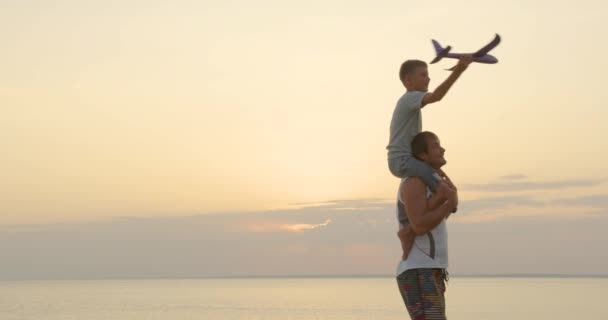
<point x="407" y="237"/>
<point x="406" y="234"/>
<point x="422" y="219"/>
<point x="443" y="88"/>
<point x="450" y="184"/>
<point x="440" y="196"/>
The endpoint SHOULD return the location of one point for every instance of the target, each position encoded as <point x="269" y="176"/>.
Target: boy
<point x="407" y="119"/>
<point x="407" y="122"/>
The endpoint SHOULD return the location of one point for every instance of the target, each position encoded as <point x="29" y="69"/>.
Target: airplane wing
<point x="483" y="51"/>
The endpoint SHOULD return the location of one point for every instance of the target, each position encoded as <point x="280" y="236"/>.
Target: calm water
<point x="297" y="299"/>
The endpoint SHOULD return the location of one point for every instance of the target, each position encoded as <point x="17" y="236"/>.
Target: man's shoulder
<point x="414" y="185"/>
<point x="413" y="190"/>
<point x="412" y="182"/>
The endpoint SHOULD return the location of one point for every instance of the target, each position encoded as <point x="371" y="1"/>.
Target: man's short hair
<point x="419" y="143"/>
<point x="409" y="66"/>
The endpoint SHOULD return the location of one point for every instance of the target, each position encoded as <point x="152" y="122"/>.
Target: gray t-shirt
<point x="406" y="123"/>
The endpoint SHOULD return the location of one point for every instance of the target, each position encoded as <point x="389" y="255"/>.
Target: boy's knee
<point x="396" y="169"/>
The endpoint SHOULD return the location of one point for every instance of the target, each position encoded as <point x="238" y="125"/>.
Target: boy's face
<point x="418" y="80"/>
<point x="434" y="154"/>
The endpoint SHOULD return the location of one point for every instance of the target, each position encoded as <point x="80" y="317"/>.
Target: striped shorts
<point x="422" y="291"/>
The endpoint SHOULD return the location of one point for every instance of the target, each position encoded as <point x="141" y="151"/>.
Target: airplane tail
<point x="440" y="51"/>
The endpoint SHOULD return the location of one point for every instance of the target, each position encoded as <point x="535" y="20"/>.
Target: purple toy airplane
<point x="480" y="56"/>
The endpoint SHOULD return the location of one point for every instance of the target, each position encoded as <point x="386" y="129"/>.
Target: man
<point x="422" y="273"/>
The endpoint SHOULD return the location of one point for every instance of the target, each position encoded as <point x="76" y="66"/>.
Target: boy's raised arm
<point x="443" y="88"/>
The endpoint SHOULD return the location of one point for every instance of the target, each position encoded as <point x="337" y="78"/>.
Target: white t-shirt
<point x="429" y="250"/>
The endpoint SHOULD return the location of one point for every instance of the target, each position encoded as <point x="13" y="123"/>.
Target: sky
<point x="182" y="138"/>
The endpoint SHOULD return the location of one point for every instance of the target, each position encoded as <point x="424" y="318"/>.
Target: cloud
<point x="311" y="240"/>
<point x="525" y="214"/>
<point x="524" y="206"/>
<point x="513" y="177"/>
<point x="500" y="202"/>
<point x="529" y="186"/>
<point x="351" y="204"/>
<point x="274" y="226"/>
<point x="599" y="201"/>
<point x="349" y="236"/>
<point x="304" y="226"/>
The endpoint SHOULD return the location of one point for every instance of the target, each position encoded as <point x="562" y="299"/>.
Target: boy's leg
<point x="413" y="167"/>
<point x="396" y="165"/>
<point x="406" y="237"/>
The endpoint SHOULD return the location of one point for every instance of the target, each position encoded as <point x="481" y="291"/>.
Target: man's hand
<point x="440" y="196"/>
<point x="449" y="182"/>
<point x="443" y="188"/>
<point x="452" y="199"/>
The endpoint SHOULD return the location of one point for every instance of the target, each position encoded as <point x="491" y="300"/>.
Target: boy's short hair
<point x="409" y="66"/>
<point x="419" y="143"/>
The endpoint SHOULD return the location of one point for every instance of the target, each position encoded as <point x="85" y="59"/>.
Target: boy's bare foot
<point x="406" y="237"/>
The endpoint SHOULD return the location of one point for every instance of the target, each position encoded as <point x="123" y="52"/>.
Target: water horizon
<point x="322" y="276"/>
<point x="297" y="298"/>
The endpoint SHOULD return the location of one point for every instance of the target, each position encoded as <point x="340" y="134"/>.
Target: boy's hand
<point x="463" y="62"/>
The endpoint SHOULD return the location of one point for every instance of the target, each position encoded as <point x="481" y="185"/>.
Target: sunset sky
<point x="266" y="123"/>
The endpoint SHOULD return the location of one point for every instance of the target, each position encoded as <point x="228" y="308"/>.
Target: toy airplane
<point x="480" y="56"/>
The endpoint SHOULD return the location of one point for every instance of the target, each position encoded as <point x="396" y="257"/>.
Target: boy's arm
<point x="422" y="219"/>
<point x="443" y="88"/>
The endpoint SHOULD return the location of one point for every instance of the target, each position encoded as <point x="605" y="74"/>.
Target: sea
<point x="304" y="298"/>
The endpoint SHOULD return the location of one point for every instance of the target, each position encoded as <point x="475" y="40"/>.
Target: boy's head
<point x="426" y="147"/>
<point x="414" y="75"/>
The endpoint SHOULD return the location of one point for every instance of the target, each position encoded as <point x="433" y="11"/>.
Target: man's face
<point x="434" y="155"/>
<point x="418" y="80"/>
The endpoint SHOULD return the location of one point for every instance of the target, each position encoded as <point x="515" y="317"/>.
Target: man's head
<point x="426" y="147"/>
<point x="414" y="75"/>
